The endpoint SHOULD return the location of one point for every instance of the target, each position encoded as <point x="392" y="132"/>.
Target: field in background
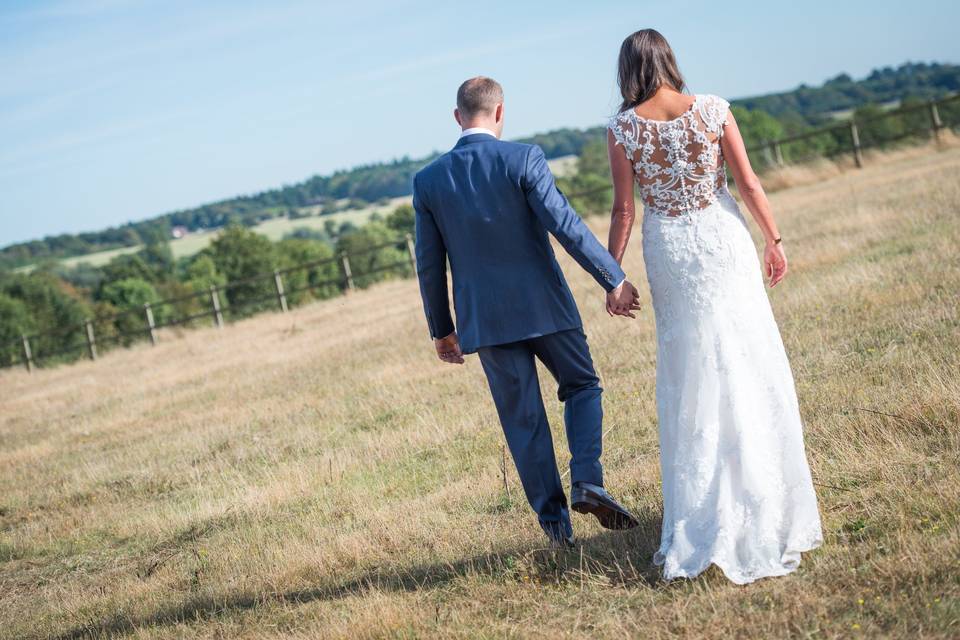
<point x="277" y="228"/>
<point x="274" y="229"/>
<point x="319" y="474"/>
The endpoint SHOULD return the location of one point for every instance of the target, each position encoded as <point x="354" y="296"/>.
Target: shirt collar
<point x="473" y="130"/>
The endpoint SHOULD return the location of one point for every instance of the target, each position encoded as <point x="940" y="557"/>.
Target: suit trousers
<point x="512" y="375"/>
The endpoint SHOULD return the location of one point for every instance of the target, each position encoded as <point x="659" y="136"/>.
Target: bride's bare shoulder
<point x="665" y="107"/>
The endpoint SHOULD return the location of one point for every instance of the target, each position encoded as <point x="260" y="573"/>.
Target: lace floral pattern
<point x="678" y="163"/>
<point x="737" y="490"/>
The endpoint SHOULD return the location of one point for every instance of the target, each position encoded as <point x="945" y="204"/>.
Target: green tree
<point x="246" y="260"/>
<point x="201" y="273"/>
<point x="159" y="259"/>
<point x="589" y="188"/>
<point x="128" y="297"/>
<point x="916" y="122"/>
<point x="330" y="228"/>
<point x="319" y="280"/>
<point x="309" y="233"/>
<point x="197" y="275"/>
<point x="805" y="148"/>
<point x="127" y="266"/>
<point x="294" y="213"/>
<point x="876" y="130"/>
<point x="15" y="321"/>
<point x="130" y="293"/>
<point x="757" y="128"/>
<point x="401" y="220"/>
<point x="374" y="253"/>
<point x="83" y="276"/>
<point x="57" y="311"/>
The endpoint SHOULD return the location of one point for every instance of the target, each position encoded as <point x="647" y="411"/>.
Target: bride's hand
<point x="623" y="300"/>
<point x="774" y="262"/>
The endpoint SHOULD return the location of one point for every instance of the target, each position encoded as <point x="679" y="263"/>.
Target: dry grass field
<point x="320" y="474"/>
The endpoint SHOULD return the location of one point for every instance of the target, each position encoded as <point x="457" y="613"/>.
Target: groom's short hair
<point x="478" y="95"/>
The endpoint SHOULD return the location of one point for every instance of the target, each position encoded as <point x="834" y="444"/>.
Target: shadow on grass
<point x="613" y="558"/>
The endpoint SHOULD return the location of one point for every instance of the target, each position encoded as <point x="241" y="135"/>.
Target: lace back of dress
<point x="678" y="163"/>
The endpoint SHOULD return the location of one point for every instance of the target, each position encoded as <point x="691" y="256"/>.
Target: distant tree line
<point x="761" y="118"/>
<point x="813" y="106"/>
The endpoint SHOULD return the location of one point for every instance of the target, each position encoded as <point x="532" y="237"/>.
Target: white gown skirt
<point x="737" y="491"/>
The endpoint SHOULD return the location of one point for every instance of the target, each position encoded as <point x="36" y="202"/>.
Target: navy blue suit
<point x="487" y="206"/>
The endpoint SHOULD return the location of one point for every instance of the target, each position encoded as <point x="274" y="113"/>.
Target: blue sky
<point x="118" y="110"/>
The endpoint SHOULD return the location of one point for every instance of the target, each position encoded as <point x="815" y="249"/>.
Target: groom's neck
<point x="482" y="124"/>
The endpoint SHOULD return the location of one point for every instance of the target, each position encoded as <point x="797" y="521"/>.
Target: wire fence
<point x="283" y="288"/>
<point x="923" y="121"/>
<point x="280" y="290"/>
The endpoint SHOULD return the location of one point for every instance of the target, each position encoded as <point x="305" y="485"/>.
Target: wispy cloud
<point x="459" y="54"/>
<point x="60" y="149"/>
<point x="67" y="9"/>
<point x="47" y="104"/>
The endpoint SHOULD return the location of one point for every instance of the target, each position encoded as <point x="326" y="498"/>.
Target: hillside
<point x="815" y="105"/>
<point x="319" y="474"/>
<point x="280" y="227"/>
<point x="362" y="186"/>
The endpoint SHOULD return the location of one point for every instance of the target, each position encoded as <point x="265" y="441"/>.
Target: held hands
<point x="448" y="349"/>
<point x="774" y="262"/>
<point x="623" y="300"/>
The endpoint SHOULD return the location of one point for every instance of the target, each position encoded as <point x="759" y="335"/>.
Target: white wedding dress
<point x="737" y="491"/>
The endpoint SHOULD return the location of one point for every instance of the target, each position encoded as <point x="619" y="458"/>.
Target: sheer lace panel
<point x="677" y="163"/>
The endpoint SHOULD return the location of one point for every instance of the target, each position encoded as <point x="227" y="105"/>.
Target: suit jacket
<point x="487" y="205"/>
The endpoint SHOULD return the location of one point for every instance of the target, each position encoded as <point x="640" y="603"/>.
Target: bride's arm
<point x="624" y="208"/>
<point x="750" y="189"/>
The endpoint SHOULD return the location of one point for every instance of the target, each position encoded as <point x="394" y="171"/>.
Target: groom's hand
<point x="448" y="349"/>
<point x="623" y="300"/>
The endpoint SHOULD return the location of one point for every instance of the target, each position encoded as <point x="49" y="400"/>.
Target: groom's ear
<point x="498" y="115"/>
<point x="456" y="116"/>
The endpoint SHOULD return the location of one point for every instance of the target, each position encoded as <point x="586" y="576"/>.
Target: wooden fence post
<point x="281" y="297"/>
<point x="215" y="302"/>
<point x="935" y="123"/>
<point x="151" y="327"/>
<point x="413" y="253"/>
<point x="778" y="153"/>
<point x="768" y="153"/>
<point x="27" y="354"/>
<point x="855" y="139"/>
<point x="347" y="274"/>
<point x="91" y="340"/>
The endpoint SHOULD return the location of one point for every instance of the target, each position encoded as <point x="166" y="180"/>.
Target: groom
<point x="487" y="205"/>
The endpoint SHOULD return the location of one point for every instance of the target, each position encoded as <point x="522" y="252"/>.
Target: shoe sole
<point x="608" y="518"/>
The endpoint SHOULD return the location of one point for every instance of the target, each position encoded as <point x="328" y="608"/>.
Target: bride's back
<point x="665" y="104"/>
<point x="677" y="160"/>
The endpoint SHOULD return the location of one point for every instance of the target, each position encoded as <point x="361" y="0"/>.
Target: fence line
<point x="279" y="295"/>
<point x="773" y="149"/>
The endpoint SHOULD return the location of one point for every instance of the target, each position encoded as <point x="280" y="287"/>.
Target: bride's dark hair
<point x="646" y="63"/>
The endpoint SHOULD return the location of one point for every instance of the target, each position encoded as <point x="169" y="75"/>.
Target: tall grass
<point x="319" y="474"/>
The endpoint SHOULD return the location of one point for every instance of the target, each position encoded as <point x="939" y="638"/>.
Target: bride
<point x="737" y="491"/>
